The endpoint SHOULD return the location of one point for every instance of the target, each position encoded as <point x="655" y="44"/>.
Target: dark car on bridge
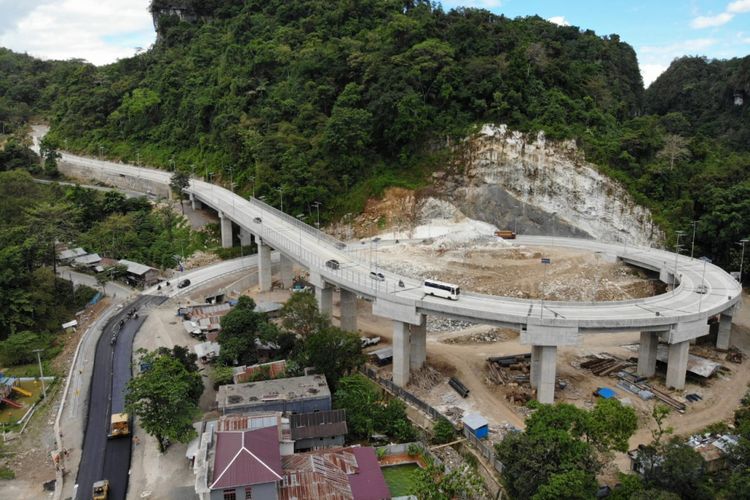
<point x="183" y="284"/>
<point x="333" y="264"/>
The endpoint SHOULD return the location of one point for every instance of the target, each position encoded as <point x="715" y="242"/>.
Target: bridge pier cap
<point x="405" y="313"/>
<point x="549" y="335"/>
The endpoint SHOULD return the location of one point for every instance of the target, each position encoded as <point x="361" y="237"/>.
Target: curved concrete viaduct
<point x="676" y="317"/>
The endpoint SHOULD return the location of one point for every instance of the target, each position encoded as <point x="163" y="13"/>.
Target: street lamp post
<point x="317" y="208"/>
<point x="692" y="244"/>
<point x="252" y="179"/>
<point x="742" y="256"/>
<point x="41" y="371"/>
<point x="171" y="163"/>
<point x="101" y="151"/>
<point x="231" y="178"/>
<point x="281" y="195"/>
<point x="676" y="255"/>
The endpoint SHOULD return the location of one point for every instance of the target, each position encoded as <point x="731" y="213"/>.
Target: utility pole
<point x="281" y="194"/>
<point x="231" y="177"/>
<point x="676" y="255"/>
<point x="41" y="372"/>
<point x="545" y="262"/>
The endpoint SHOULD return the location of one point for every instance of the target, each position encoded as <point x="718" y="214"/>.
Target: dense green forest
<point x="34" y="216"/>
<point x="332" y="101"/>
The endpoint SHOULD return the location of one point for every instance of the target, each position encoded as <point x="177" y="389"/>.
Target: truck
<point x="506" y="234"/>
<point x="100" y="490"/>
<point x="120" y="425"/>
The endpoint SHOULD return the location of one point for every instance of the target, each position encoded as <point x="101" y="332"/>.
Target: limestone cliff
<point x="541" y="187"/>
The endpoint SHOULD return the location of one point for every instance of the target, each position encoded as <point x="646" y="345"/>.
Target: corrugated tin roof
<point x="88" y="259"/>
<point x="318" y="424"/>
<point x="248" y="422"/>
<point x="71" y="253"/>
<point x="135" y="267"/>
<point x="246" y="458"/>
<point x="474" y="421"/>
<point x="368" y="482"/>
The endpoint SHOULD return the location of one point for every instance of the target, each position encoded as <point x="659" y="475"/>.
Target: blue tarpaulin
<point x="605" y="392"/>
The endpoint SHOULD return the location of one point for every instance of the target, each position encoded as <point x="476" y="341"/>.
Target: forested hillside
<point x="331" y="101"/>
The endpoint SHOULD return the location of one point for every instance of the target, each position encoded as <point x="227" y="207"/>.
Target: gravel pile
<point x="440" y="325"/>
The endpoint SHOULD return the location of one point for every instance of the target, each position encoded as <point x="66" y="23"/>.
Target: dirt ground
<point x="28" y="454"/>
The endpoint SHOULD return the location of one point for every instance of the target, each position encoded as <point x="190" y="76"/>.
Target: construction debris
<point x="604" y="365"/>
<point x="509" y="369"/>
<point x="646" y="392"/>
<point x="734" y="355"/>
<point x="494" y="335"/>
<point x="426" y="378"/>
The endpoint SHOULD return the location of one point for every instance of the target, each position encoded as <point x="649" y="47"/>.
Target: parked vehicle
<point x="333" y="264"/>
<point x="368" y="341"/>
<point x="440" y="289"/>
<point x="257" y="220"/>
<point x="100" y="491"/>
<point x="377" y="276"/>
<point x="506" y="234"/>
<point x="183" y="284"/>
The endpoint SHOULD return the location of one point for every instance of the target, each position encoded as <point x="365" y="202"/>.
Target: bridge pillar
<point x="264" y="266"/>
<point x="544" y="340"/>
<point x="348" y="310"/>
<point x="246" y="237"/>
<point x="418" y="347"/>
<point x="677" y="364"/>
<point x="401" y="355"/>
<point x="324" y="295"/>
<point x="545" y="392"/>
<point x="286" y="268"/>
<point x="647" y="354"/>
<point x="725" y="330"/>
<point x="196" y="204"/>
<point x="536" y="355"/>
<point x="226" y="231"/>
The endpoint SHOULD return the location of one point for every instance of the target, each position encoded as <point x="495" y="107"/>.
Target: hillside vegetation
<point x="332" y="101"/>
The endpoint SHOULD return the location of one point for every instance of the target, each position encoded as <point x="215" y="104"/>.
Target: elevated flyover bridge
<point x="701" y="290"/>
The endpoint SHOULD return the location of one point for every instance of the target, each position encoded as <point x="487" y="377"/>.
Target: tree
<point x="675" y="149"/>
<point x="178" y="183"/>
<point x="571" y="485"/>
<point x="19" y="347"/>
<point x="300" y="315"/>
<point x="239" y="329"/>
<point x="434" y="483"/>
<point x="358" y="396"/>
<point x="610" y="425"/>
<point x="443" y="431"/>
<point x="48" y="150"/>
<point x="333" y="352"/>
<point x="681" y="470"/>
<point x="163" y="398"/>
<point x="189" y="360"/>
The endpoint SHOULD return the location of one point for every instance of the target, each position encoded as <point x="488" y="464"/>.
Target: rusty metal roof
<point x="318" y="424"/>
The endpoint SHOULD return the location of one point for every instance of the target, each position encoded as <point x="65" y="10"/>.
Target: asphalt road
<point x="103" y="458"/>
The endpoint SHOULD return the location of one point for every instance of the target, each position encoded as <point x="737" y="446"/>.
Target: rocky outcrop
<point x="542" y="187"/>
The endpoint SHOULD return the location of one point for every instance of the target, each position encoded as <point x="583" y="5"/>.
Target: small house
<point x="88" y="260"/>
<point x="140" y="274"/>
<point x="67" y="256"/>
<point x="476" y="424"/>
<point x="296" y="395"/>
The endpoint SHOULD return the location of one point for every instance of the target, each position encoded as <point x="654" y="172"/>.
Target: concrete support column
<point x="196" y="204"/>
<point x="547" y="370"/>
<point x="246" y="237"/>
<point x="677" y="364"/>
<point x="325" y="299"/>
<point x="536" y="355"/>
<point x="418" y="347"/>
<point x="647" y="354"/>
<point x="725" y="329"/>
<point x="286" y="268"/>
<point x="226" y="231"/>
<point x="401" y="356"/>
<point x="264" y="267"/>
<point x="348" y="310"/>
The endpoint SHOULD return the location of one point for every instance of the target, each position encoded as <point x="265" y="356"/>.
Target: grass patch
<point x="400" y="478"/>
<point x="7" y="473"/>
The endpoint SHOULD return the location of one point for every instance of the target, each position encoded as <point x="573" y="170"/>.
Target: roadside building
<point x="88" y="260"/>
<point x="274" y="369"/>
<point x="322" y="429"/>
<point x="67" y="256"/>
<point x="140" y="274"/>
<point x="476" y="424"/>
<point x="290" y="395"/>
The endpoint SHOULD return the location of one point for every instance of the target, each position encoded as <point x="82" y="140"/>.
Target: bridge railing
<point x="320" y="235"/>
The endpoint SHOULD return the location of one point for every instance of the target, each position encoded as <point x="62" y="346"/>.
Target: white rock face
<point x="554" y="177"/>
